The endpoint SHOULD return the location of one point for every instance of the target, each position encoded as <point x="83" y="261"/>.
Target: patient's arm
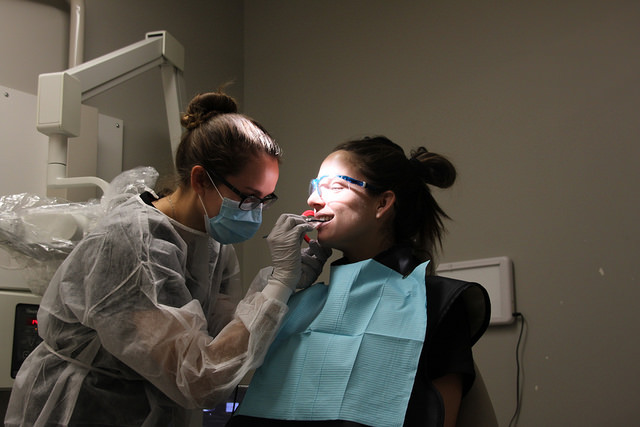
<point x="450" y="388"/>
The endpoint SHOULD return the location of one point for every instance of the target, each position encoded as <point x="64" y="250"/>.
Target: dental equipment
<point x="310" y="216"/>
<point x="60" y="96"/>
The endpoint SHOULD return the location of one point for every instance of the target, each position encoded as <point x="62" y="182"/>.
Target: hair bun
<point x="205" y="106"/>
<point x="433" y="168"/>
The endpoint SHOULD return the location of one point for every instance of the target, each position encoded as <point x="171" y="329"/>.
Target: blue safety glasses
<point x="334" y="184"/>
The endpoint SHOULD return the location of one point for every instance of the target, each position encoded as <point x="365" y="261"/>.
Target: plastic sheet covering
<point x="37" y="233"/>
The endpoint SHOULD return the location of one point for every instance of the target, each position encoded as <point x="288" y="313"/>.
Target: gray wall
<point x="537" y="104"/>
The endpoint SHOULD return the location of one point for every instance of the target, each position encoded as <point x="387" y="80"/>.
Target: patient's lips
<point x="310" y="217"/>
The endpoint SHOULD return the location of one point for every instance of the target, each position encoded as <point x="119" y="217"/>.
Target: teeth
<point x="318" y="219"/>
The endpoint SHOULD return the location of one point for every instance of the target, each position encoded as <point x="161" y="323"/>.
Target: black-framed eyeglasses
<point x="247" y="202"/>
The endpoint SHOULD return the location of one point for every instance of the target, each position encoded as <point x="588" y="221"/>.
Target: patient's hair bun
<point x="434" y="168"/>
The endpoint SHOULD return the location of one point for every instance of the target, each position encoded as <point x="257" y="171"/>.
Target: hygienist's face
<point x="257" y="178"/>
<point x="350" y="210"/>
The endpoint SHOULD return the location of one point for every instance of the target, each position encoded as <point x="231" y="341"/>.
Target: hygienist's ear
<point x="199" y="180"/>
<point x="386" y="201"/>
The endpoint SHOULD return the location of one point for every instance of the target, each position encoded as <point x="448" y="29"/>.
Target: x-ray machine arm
<point x="60" y="96"/>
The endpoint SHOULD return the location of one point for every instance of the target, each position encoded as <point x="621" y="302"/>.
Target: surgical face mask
<point x="232" y="224"/>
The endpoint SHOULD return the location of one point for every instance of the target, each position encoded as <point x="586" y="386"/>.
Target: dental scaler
<point x="310" y="217"/>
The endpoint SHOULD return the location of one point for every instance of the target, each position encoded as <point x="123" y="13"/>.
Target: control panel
<point x="18" y="331"/>
<point x="25" y="335"/>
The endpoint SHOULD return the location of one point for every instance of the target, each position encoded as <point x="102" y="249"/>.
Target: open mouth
<point x="310" y="216"/>
<point x="318" y="219"/>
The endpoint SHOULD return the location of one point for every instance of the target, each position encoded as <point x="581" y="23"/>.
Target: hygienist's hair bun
<point x="205" y="106"/>
<point x="218" y="138"/>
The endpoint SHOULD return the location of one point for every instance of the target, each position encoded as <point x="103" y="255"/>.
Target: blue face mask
<point x="232" y="224"/>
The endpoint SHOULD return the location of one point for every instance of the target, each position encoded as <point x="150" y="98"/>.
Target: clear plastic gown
<point x="129" y="321"/>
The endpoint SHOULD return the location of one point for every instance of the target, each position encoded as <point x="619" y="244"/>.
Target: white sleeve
<point x="131" y="291"/>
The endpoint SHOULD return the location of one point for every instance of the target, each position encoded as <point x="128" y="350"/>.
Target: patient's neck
<point x="366" y="252"/>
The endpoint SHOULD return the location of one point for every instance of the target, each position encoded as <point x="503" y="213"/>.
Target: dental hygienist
<point x="139" y="322"/>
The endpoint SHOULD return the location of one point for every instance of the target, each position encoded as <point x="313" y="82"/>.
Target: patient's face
<point x="350" y="209"/>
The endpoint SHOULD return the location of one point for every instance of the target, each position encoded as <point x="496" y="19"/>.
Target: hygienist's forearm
<point x="172" y="349"/>
<point x="239" y="348"/>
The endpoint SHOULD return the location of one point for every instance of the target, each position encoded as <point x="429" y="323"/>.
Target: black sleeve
<point x="450" y="347"/>
<point x="447" y="350"/>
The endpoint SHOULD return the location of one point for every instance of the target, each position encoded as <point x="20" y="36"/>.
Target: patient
<point x="385" y="342"/>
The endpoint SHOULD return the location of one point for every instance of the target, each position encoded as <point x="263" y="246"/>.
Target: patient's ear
<point x="386" y="201"/>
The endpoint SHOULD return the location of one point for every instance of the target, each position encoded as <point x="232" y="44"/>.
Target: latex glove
<point x="285" y="243"/>
<point x="313" y="259"/>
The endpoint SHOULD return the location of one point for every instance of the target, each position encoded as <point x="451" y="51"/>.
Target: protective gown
<point x="128" y="321"/>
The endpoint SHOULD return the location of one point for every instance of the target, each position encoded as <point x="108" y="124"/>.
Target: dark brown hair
<point x="218" y="138"/>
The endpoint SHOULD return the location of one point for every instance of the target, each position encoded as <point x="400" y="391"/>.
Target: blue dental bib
<point x="346" y="351"/>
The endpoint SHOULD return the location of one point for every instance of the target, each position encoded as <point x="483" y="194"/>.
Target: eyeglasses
<point x="247" y="202"/>
<point x="335" y="184"/>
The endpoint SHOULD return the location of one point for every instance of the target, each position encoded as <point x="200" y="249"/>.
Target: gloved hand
<point x="285" y="242"/>
<point x="313" y="259"/>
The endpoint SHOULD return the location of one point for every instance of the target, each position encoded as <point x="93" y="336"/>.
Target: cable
<point x="235" y="400"/>
<point x="516" y="413"/>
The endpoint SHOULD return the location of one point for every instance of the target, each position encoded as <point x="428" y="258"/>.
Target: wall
<point x="537" y="105"/>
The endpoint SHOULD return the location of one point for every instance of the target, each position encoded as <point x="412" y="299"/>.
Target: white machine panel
<point x="496" y="275"/>
<point x="23" y="159"/>
<point x="23" y="150"/>
<point x="110" y="146"/>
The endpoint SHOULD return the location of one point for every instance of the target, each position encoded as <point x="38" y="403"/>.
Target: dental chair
<point x="476" y="409"/>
